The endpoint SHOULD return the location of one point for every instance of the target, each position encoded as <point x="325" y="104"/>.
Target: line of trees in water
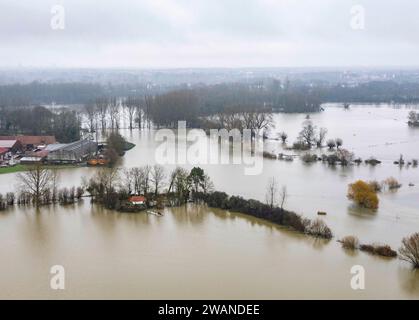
<point x="112" y="187"/>
<point x="296" y="96"/>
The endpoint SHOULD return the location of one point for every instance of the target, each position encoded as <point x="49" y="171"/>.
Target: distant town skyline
<point x="208" y="34"/>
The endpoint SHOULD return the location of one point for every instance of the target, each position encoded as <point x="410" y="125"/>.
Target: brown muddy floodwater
<point x="199" y="252"/>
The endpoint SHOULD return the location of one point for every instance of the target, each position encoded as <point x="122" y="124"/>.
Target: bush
<point x="269" y="155"/>
<point x="308" y="158"/>
<point x="410" y="250"/>
<point x="299" y="145"/>
<point x="381" y="250"/>
<point x="318" y="228"/>
<point x="363" y="194"/>
<point x="372" y="161"/>
<point x="392" y="183"/>
<point x="350" y="242"/>
<point x="385" y="251"/>
<point x="376" y="186"/>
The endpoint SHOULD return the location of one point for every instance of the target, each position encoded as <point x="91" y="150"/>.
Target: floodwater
<point x="198" y="252"/>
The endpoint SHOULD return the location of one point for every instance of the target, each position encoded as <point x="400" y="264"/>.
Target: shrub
<point x="331" y="144"/>
<point x="385" y="251"/>
<point x="308" y="158"/>
<point x="363" y="194"/>
<point x="350" y="242"/>
<point x="294" y="221"/>
<point x="372" y="161"/>
<point x="376" y="186"/>
<point x="392" y="183"/>
<point x="299" y="145"/>
<point x="381" y="250"/>
<point x="410" y="250"/>
<point x="318" y="228"/>
<point x="269" y="155"/>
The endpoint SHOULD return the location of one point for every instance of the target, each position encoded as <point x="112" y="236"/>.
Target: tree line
<point x="64" y="123"/>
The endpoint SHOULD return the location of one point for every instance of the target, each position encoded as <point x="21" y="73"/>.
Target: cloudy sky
<point x="209" y="33"/>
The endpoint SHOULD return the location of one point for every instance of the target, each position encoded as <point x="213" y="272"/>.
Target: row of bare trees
<point x="257" y="119"/>
<point x="39" y="186"/>
<point x="105" y="113"/>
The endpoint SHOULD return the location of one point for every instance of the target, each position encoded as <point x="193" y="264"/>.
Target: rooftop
<point x="34" y="140"/>
<point x="7" y="143"/>
<point x="137" y="199"/>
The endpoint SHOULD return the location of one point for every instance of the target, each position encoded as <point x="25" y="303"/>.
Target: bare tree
<point x="157" y="177"/>
<point x="284" y="136"/>
<point x="102" y="109"/>
<point x="138" y="182"/>
<point x="36" y="182"/>
<point x="321" y="137"/>
<point x="131" y="109"/>
<point x="128" y="180"/>
<point x="114" y="112"/>
<point x="308" y="133"/>
<point x="331" y="144"/>
<point x="283" y="196"/>
<point x="145" y="174"/>
<point x="272" y="192"/>
<point x="410" y="249"/>
<point x="148" y="106"/>
<point x="91" y="112"/>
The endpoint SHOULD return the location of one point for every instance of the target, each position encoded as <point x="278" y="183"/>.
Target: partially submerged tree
<point x="363" y="194"/>
<point x="272" y="193"/>
<point x="157" y="177"/>
<point x="331" y="144"/>
<point x="36" y="182"/>
<point x="410" y="250"/>
<point x="308" y="133"/>
<point x="321" y="137"/>
<point x="284" y="136"/>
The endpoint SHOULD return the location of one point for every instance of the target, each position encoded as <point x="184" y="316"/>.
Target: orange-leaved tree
<point x="363" y="194"/>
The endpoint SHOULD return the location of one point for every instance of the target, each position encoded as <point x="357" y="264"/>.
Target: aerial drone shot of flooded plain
<point x="189" y="167"/>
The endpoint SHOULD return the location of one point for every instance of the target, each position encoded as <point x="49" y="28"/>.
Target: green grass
<point x="21" y="167"/>
<point x="16" y="168"/>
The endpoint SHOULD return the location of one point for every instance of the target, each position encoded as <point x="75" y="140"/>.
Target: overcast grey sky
<point x="208" y="33"/>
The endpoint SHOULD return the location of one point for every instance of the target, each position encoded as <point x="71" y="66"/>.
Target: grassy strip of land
<point x="12" y="169"/>
<point x="22" y="167"/>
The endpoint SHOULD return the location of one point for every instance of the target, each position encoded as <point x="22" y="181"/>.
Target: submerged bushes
<point x="381" y="250"/>
<point x="263" y="211"/>
<point x="350" y="242"/>
<point x="318" y="228"/>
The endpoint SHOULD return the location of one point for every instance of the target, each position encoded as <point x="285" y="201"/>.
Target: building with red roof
<point x="137" y="200"/>
<point x="29" y="142"/>
<point x="3" y="152"/>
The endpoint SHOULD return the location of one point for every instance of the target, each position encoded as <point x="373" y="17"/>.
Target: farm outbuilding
<point x="72" y="152"/>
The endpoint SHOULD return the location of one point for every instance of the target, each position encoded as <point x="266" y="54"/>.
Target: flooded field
<point x="198" y="252"/>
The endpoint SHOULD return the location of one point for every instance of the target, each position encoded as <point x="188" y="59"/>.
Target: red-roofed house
<point x="137" y="200"/>
<point x="11" y="145"/>
<point x="30" y="142"/>
<point x="3" y="152"/>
